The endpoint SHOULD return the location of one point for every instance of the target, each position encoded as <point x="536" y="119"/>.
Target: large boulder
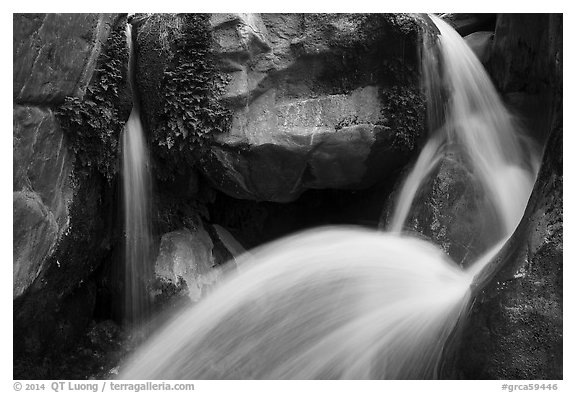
<point x="54" y="55"/>
<point x="316" y="101"/>
<point x="42" y="191"/>
<point x="452" y="210"/>
<point x="300" y="145"/>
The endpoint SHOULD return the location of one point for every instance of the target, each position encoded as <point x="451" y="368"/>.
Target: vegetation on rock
<point x="93" y="123"/>
<point x="403" y="110"/>
<point x="190" y="88"/>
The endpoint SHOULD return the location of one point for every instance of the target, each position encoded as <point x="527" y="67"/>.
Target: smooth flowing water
<point x="331" y="303"/>
<point x="354" y="303"/>
<point x="136" y="193"/>
<point x="481" y="128"/>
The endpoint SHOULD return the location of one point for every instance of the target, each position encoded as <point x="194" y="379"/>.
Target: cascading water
<point x="136" y="189"/>
<point x="480" y="127"/>
<point x="353" y="303"/>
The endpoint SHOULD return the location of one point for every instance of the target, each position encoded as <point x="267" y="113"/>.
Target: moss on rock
<point x="185" y="111"/>
<point x="93" y="123"/>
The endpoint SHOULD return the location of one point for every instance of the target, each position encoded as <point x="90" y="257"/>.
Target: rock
<point x="515" y="325"/>
<point x="36" y="331"/>
<point x="42" y="191"/>
<point x="227" y="250"/>
<point x="307" y="96"/>
<point x="526" y="49"/>
<point x="466" y="24"/>
<point x="293" y="130"/>
<point x="63" y="221"/>
<point x="515" y="328"/>
<point x="185" y="260"/>
<point x="35" y="235"/>
<point x="105" y="335"/>
<point x="480" y="43"/>
<point x="450" y="210"/>
<point x="59" y="304"/>
<point x="41" y="160"/>
<point x="231" y="244"/>
<point x="300" y="145"/>
<point x="54" y="55"/>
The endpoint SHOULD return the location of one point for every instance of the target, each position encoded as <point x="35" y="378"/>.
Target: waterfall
<point x="354" y="303"/>
<point x="136" y="195"/>
<point x="480" y="127"/>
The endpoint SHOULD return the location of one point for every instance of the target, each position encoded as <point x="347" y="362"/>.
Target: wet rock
<point x="186" y="262"/>
<point x="105" y="335"/>
<point x="515" y="328"/>
<point x="466" y="24"/>
<point x="42" y="191"/>
<point x="59" y="303"/>
<point x="35" y="234"/>
<point x="38" y="332"/>
<point x="307" y="97"/>
<point x="450" y="210"/>
<point x="41" y="160"/>
<point x="292" y="128"/>
<point x="480" y="43"/>
<point x="300" y="145"/>
<point x="525" y="56"/>
<point x="63" y="220"/>
<point x="232" y="245"/>
<point x="54" y="55"/>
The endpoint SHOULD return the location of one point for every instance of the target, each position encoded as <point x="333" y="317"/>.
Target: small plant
<point x="403" y="110"/>
<point x="93" y="123"/>
<point x="191" y="112"/>
<point x="346" y="122"/>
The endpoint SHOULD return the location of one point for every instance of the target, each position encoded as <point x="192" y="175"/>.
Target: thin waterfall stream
<point x="345" y="302"/>
<point x="136" y="192"/>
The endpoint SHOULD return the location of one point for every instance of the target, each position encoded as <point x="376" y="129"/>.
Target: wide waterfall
<point x="354" y="303"/>
<point x="136" y="191"/>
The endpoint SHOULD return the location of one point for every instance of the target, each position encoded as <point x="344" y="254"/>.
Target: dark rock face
<point x="466" y="24"/>
<point x="515" y="325"/>
<point x="308" y="99"/>
<point x="525" y="50"/>
<point x="62" y="220"/>
<point x="54" y="57"/>
<point x="42" y="191"/>
<point x="480" y="42"/>
<point x="59" y="303"/>
<point x="450" y="210"/>
<point x="55" y="54"/>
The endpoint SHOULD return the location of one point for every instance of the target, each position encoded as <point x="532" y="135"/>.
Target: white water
<point x="353" y="303"/>
<point x="136" y="191"/>
<point x="483" y="129"/>
<point x="429" y="157"/>
<point x="332" y="303"/>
